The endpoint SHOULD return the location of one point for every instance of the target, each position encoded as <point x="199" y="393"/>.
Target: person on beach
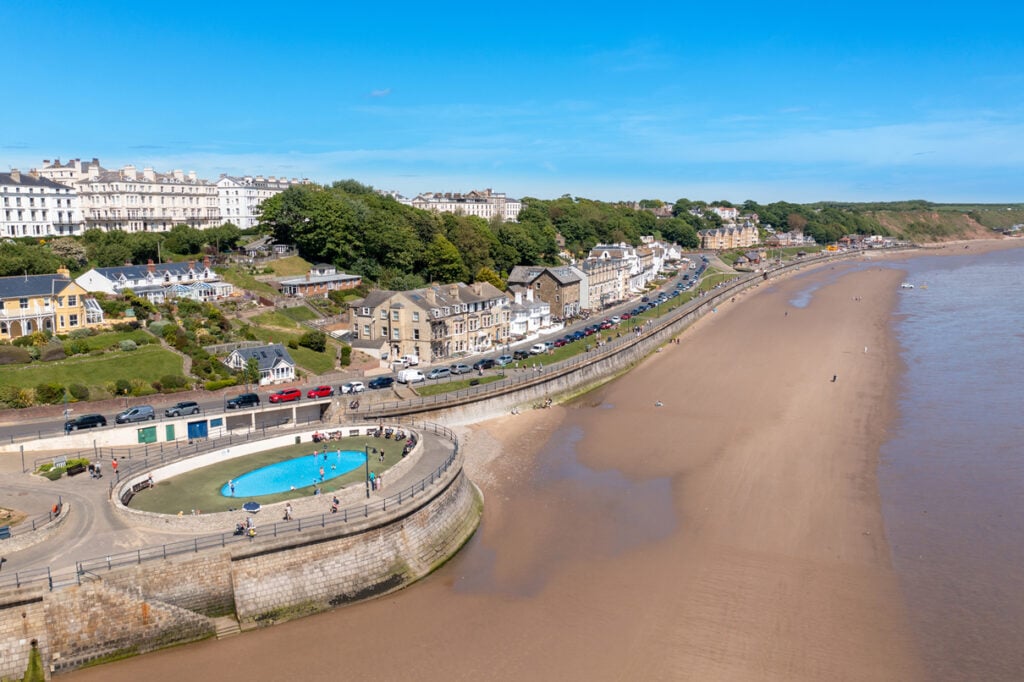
<point x="833" y="378"/>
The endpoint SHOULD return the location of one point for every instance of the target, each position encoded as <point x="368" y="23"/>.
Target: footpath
<point x="94" y="528"/>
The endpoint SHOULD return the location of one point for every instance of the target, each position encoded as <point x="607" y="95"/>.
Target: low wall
<point x="137" y="608"/>
<point x="21" y="540"/>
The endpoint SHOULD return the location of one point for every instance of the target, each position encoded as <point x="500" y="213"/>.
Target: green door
<point x="170" y="433"/>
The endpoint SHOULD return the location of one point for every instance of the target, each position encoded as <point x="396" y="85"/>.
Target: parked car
<point x="320" y="392"/>
<point x="538" y="348"/>
<point x="85" y="421"/>
<point x="615" y="319"/>
<point x="352" y="387"/>
<point x="578" y="334"/>
<point x="410" y="376"/>
<point x="626" y="316"/>
<point x="521" y="354"/>
<point x="607" y="324"/>
<point x="183" y="408"/>
<point x="504" y="360"/>
<point x="561" y="342"/>
<point x="483" y="363"/>
<point x="139" y="413"/>
<point x="243" y="400"/>
<point x="411" y="360"/>
<point x="460" y="368"/>
<point x="381" y="382"/>
<point x="439" y="373"/>
<point x="286" y="395"/>
<point x="645" y="299"/>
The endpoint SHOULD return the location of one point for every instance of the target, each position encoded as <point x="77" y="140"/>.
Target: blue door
<point x="197" y="430"/>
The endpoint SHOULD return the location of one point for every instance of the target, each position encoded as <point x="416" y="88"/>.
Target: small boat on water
<point x="906" y="285"/>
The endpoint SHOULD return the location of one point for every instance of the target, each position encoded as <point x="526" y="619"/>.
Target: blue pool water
<point x="294" y="473"/>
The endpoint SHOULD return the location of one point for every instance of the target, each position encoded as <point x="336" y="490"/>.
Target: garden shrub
<point x="346" y="356"/>
<point x="122" y="387"/>
<point x="16" y="397"/>
<point x="314" y="340"/>
<point x="76" y="347"/>
<point x="81" y="333"/>
<point x="157" y="327"/>
<point x="141" y="388"/>
<point x="49" y="394"/>
<point x="14" y="355"/>
<point x="220" y="383"/>
<point x="293" y="344"/>
<point x="78" y="391"/>
<point x="51" y="352"/>
<point x="128" y="345"/>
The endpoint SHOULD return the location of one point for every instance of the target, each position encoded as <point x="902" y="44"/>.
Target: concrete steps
<point x="226" y="626"/>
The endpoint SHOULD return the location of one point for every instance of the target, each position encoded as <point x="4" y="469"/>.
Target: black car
<point x="521" y="354"/>
<point x="483" y="363"/>
<point x="85" y="421"/>
<point x="243" y="400"/>
<point x="381" y="382"/>
<point x="182" y="408"/>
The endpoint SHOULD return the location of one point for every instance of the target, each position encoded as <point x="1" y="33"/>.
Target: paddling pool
<point x="294" y="473"/>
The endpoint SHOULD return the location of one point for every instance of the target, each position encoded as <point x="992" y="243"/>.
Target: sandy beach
<point x="734" y="533"/>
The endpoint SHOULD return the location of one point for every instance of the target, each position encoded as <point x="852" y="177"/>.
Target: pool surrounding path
<point x="94" y="528"/>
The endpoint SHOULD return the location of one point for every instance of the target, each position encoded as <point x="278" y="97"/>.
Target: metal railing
<point x="373" y="507"/>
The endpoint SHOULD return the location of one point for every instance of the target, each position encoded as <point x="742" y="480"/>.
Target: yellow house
<point x="31" y="303"/>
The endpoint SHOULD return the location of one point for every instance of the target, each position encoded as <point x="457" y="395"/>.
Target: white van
<point x="410" y="360"/>
<point x="410" y="376"/>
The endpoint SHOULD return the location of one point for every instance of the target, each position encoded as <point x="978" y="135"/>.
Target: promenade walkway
<point x="94" y="528"/>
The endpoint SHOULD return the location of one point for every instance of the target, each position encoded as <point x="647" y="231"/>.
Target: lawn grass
<point x="243" y="280"/>
<point x="109" y="340"/>
<point x="274" y="318"/>
<point x="433" y="388"/>
<point x="200" y="489"/>
<point x="299" y="313"/>
<point x="148" y="363"/>
<point x="289" y="266"/>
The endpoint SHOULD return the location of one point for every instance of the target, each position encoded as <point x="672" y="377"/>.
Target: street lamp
<point x="366" y="451"/>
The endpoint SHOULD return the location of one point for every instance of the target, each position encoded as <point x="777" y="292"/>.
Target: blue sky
<point x="799" y="102"/>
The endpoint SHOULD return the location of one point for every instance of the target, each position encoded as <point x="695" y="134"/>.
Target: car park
<point x="538" y="348"/>
<point x="85" y="421"/>
<point x="439" y="373"/>
<point x="182" y="408"/>
<point x="139" y="413"/>
<point x="381" y="382"/>
<point x="460" y="368"/>
<point x="320" y="392"/>
<point x="352" y="387"/>
<point x="483" y="363"/>
<point x="243" y="400"/>
<point x="286" y="395"/>
<point x="504" y="360"/>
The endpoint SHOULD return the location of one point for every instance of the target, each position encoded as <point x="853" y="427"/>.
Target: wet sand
<point x="734" y="533"/>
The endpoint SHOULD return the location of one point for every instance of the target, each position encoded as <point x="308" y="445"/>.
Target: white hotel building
<point x="483" y="204"/>
<point x="239" y="198"/>
<point x="33" y="206"/>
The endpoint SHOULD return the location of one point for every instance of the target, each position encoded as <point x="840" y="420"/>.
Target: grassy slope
<point x="927" y="226"/>
<point x="289" y="266"/>
<point x="147" y="363"/>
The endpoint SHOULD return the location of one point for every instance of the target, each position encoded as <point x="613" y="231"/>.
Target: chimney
<point x="178" y="175"/>
<point x="46" y="162"/>
<point x="150" y="266"/>
<point x="148" y="174"/>
<point x="192" y="175"/>
<point x="453" y="290"/>
<point x="63" y="271"/>
<point x="428" y="294"/>
<point x="94" y="170"/>
<point x="130" y="173"/>
<point x="307" y="276"/>
<point x="478" y="288"/>
<point x="191" y="265"/>
<point x="15" y="175"/>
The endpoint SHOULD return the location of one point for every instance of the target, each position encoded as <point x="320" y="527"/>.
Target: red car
<point x="286" y="395"/>
<point x="320" y="392"/>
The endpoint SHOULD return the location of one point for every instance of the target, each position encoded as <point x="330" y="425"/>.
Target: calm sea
<point x="952" y="476"/>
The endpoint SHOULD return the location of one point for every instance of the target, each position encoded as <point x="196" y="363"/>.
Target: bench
<point x="75" y="469"/>
<point x="5" y="532"/>
<point x="474" y="382"/>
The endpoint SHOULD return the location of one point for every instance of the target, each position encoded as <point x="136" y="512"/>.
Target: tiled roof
<point x="31" y="285"/>
<point x="27" y="180"/>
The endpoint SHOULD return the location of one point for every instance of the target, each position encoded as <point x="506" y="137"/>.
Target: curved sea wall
<point x="137" y="608"/>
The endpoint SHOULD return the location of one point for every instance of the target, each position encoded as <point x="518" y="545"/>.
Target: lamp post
<point x="366" y="451"/>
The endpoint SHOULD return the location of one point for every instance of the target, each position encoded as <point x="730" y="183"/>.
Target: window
<point x="395" y="333"/>
<point x="394" y="316"/>
<point x="23" y="303"/>
<point x="415" y="316"/>
<point x="72" y="320"/>
<point x="366" y="331"/>
<point x="72" y="300"/>
<point x="384" y="315"/>
<point x="416" y="334"/>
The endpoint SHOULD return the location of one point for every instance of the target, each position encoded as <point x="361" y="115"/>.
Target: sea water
<point x="952" y="475"/>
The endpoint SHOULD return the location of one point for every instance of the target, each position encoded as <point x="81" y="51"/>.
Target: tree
<point x="485" y="274"/>
<point x="251" y="371"/>
<point x="443" y="262"/>
<point x="70" y="251"/>
<point x="314" y="340"/>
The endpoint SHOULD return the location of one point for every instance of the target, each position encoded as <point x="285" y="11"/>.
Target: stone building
<point x="34" y="206"/>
